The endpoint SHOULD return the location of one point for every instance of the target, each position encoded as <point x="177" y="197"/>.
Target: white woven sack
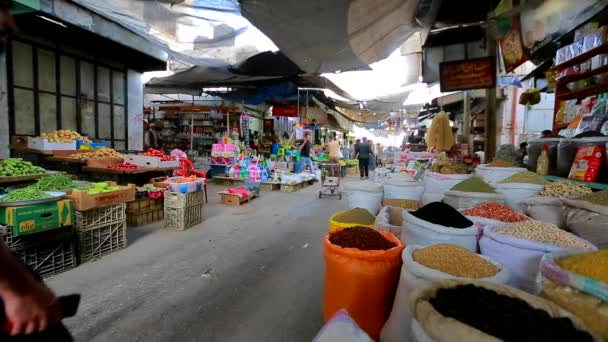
<point x="493" y="175"/>
<point x="520" y="257"/>
<point x="465" y="200"/>
<point x="405" y="190"/>
<point x="546" y="209"/>
<point x="429" y="197"/>
<point x="418" y="333"/>
<point x="419" y="232"/>
<point x="438" y="183"/>
<point x="384" y="222"/>
<point x="381" y="175"/>
<point x="415" y="276"/>
<point x="516" y="193"/>
<point x="482" y="222"/>
<point x="366" y="195"/>
<point x="587" y="220"/>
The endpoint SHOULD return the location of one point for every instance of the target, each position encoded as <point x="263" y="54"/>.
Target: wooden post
<point x="490" y="131"/>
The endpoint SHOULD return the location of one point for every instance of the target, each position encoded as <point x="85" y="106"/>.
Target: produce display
<point x="593" y="265"/>
<point x="455" y="260"/>
<point x="504" y="317"/>
<point x="62" y="136"/>
<point x="501" y="163"/>
<point x="442" y="214"/>
<point x="474" y="184"/>
<point x="525" y="177"/>
<point x="185" y="179"/>
<point x="542" y="232"/>
<point x="564" y="189"/>
<point x="357" y="216"/>
<point x="101" y="187"/>
<point x="101" y="153"/>
<point x="495" y="211"/>
<point x="26" y="194"/>
<point x="362" y="238"/>
<point x="151" y="152"/>
<point x="440" y="135"/>
<point x="124" y="166"/>
<point x="18" y="167"/>
<point x="599" y="198"/>
<point x="445" y="165"/>
<point x="55" y="182"/>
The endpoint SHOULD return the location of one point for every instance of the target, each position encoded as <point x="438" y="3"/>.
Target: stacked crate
<point x="183" y="211"/>
<point x="144" y="211"/>
<point x="46" y="253"/>
<point x="101" y="231"/>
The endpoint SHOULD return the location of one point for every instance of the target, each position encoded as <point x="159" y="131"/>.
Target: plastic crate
<point x="97" y="241"/>
<point x="183" y="218"/>
<point x="47" y="253"/>
<point x="101" y="216"/>
<point x="179" y="200"/>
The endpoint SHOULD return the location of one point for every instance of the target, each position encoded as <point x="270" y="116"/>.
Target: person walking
<point x="305" y="154"/>
<point x="364" y="153"/>
<point x="333" y="149"/>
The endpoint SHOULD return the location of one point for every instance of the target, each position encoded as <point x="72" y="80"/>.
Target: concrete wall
<point x="135" y="115"/>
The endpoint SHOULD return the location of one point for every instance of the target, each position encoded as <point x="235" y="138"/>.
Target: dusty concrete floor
<point x="249" y="273"/>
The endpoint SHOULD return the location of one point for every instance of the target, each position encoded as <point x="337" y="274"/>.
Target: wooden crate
<point x="234" y="199"/>
<point x="291" y="187"/>
<point x="228" y="181"/>
<point x="267" y="186"/>
<point x="145" y="204"/>
<point x="140" y="218"/>
<point x="97" y="241"/>
<point x="183" y="218"/>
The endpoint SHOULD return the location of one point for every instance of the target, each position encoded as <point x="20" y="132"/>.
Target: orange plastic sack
<point x="362" y="282"/>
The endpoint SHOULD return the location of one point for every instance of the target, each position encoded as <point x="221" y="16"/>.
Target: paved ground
<point x="249" y="273"/>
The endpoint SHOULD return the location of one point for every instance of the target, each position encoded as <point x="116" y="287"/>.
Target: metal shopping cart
<point x="330" y="180"/>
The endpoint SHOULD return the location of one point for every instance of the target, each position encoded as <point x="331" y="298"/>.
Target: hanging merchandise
<point x="440" y="136"/>
<point x="530" y="97"/>
<point x="245" y="128"/>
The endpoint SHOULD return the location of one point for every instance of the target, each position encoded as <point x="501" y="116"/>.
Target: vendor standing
<point x="305" y="154"/>
<point x="333" y="149"/>
<point x="152" y="136"/>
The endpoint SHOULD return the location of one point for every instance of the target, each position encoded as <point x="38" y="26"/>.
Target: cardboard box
<point x="45" y="145"/>
<point x="38" y="218"/>
<point x="143" y="161"/>
<point x="103" y="162"/>
<point x="234" y="199"/>
<point x="84" y="201"/>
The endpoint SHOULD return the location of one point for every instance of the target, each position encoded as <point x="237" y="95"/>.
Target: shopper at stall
<point x="152" y="136"/>
<point x="305" y="153"/>
<point x="29" y="305"/>
<point x="364" y="153"/>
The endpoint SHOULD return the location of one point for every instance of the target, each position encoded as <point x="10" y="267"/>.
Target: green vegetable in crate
<point x="26" y="194"/>
<point x="102" y="187"/>
<point x="18" y="167"/>
<point x="55" y="182"/>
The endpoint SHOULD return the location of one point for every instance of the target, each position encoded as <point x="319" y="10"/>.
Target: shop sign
<point x="290" y="112"/>
<point x="476" y="73"/>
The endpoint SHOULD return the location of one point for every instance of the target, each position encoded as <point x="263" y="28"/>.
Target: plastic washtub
<point x="185" y="188"/>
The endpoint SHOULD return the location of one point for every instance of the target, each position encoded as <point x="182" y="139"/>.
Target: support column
<point x="490" y="133"/>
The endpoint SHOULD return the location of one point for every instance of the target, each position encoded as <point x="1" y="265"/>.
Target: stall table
<point x="22" y="179"/>
<point x="69" y="165"/>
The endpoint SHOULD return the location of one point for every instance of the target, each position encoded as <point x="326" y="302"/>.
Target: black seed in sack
<point x="504" y="317"/>
<point x="443" y="215"/>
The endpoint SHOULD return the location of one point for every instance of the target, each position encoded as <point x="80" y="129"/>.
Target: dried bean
<point x="564" y="189"/>
<point x="495" y="211"/>
<point x="543" y="232"/>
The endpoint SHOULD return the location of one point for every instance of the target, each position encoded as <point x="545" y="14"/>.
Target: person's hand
<point x="32" y="309"/>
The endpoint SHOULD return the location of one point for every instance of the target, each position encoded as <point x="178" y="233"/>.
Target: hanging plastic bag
<point x="362" y="282"/>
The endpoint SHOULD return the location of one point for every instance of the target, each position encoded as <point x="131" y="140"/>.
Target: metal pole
<point x="490" y="131"/>
<point x="466" y="127"/>
<point x="192" y="128"/>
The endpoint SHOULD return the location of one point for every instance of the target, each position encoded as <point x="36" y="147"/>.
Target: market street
<point x="249" y="273"/>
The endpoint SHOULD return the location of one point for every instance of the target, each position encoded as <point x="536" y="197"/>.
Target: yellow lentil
<point x="357" y="215"/>
<point x="564" y="189"/>
<point x="593" y="265"/>
<point x="542" y="232"/>
<point x="455" y="260"/>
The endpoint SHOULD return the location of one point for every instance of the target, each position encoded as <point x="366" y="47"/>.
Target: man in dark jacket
<point x="364" y="153"/>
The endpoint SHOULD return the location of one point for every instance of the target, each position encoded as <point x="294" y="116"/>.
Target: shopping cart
<point x="330" y="183"/>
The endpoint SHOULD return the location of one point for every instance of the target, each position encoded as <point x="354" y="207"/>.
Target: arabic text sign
<point x="476" y="73"/>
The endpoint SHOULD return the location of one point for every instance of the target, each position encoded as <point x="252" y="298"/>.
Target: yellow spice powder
<point x="593" y="265"/>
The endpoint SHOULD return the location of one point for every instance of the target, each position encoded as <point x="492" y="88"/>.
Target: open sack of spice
<point x="492" y="215"/>
<point x="519" y="187"/>
<point x="587" y="216"/>
<point x="578" y="282"/>
<point x="436" y="223"/>
<point x="350" y="218"/>
<point x="470" y="193"/>
<point x="547" y="205"/>
<point x="366" y="195"/>
<point x="476" y="311"/>
<point x="361" y="274"/>
<point x="423" y="266"/>
<point x="520" y="246"/>
<point x="403" y="186"/>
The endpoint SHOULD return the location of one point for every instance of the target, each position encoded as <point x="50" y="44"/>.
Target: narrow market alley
<point x="247" y="273"/>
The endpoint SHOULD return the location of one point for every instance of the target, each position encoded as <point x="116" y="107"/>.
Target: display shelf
<point x="582" y="93"/>
<point x="595" y="186"/>
<point x="583" y="75"/>
<point x="583" y="57"/>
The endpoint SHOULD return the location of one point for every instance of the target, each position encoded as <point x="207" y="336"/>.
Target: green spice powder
<point x="474" y="184"/>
